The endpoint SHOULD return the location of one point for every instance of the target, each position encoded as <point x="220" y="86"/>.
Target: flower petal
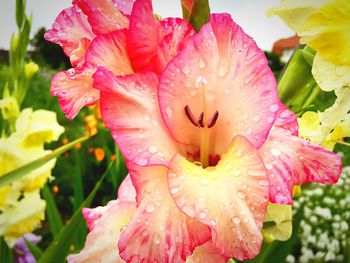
<point x="220" y="69"/>
<point x="126" y="191"/>
<point x="291" y="160"/>
<point x="103" y="15"/>
<point x="74" y="90"/>
<point x="286" y="119"/>
<point x="159" y="231"/>
<point x="175" y="32"/>
<point x="330" y="76"/>
<point x="206" y="253"/>
<point x="231" y="198"/>
<point x="141" y="136"/>
<point x="144" y="36"/>
<point x="109" y="51"/>
<point x="74" y="87"/>
<point x="72" y="32"/>
<point x="101" y="242"/>
<point x="152" y="44"/>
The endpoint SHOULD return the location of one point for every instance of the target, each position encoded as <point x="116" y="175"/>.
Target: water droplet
<point x="222" y="71"/>
<point x="169" y="112"/>
<point x="202" y="215"/>
<point x="274" y="107"/>
<point x="256" y="172"/>
<point x="193" y="92"/>
<point x="142" y="161"/>
<point x="157" y="241"/>
<point x="147" y="118"/>
<point x="201" y="80"/>
<point x="239" y="153"/>
<point x="268" y="166"/>
<point x="204" y="182"/>
<point x="241" y="194"/>
<point x="256" y="118"/>
<point x="270" y="119"/>
<point x="213" y="222"/>
<point x="275" y="152"/>
<point x="186" y="70"/>
<point x="236" y="220"/>
<point x="153" y="149"/>
<point x="263" y="182"/>
<point x="150" y="208"/>
<point x="202" y="64"/>
<point x="174" y="190"/>
<point x="187" y="209"/>
<point x="237" y="172"/>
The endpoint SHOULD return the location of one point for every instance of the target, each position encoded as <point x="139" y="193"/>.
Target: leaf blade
<point x="27" y="168"/>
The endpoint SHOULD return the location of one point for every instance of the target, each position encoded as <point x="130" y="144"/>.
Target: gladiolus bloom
<point x="207" y="142"/>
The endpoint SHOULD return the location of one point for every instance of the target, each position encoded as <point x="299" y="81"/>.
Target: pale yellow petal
<point x="38" y="127"/>
<point x="281" y="216"/>
<point x="22" y="218"/>
<point x="330" y="76"/>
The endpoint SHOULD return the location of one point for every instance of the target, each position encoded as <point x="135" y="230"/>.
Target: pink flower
<point x="206" y="139"/>
<point x="116" y="34"/>
<point x="207" y="146"/>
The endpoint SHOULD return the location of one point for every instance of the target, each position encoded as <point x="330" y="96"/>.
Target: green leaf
<point x="34" y="249"/>
<point x="5" y="252"/>
<point x="29" y="167"/>
<point x="20" y="12"/>
<point x="59" y="247"/>
<point x="55" y="220"/>
<point x="197" y="12"/>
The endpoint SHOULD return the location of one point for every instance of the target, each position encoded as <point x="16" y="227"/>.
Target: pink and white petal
<point x="220" y="69"/>
<point x="103" y="15"/>
<point x="127" y="191"/>
<point x="286" y="119"/>
<point x="291" y="160"/>
<point x="101" y="243"/>
<point x="77" y="56"/>
<point x="74" y="90"/>
<point x="176" y="32"/>
<point x="144" y="35"/>
<point x="231" y="198"/>
<point x="206" y="253"/>
<point x="159" y="231"/>
<point x="69" y="31"/>
<point x="109" y="51"/>
<point x="130" y="110"/>
<point x="91" y="215"/>
<point x="124" y="6"/>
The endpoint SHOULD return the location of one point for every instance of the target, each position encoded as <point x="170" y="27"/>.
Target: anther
<point x="213" y="120"/>
<point x="200" y="120"/>
<point x="190" y="116"/>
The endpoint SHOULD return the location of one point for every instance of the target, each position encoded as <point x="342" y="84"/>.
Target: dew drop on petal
<point x="236" y="220"/>
<point x="152" y="149"/>
<point x="263" y="182"/>
<point x="150" y="208"/>
<point x="275" y="152"/>
<point x="274" y="107"/>
<point x="174" y="190"/>
<point x="204" y="182"/>
<point x="187" y="209"/>
<point x="202" y="215"/>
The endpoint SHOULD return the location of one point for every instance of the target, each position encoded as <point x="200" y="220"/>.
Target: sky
<point x="249" y="14"/>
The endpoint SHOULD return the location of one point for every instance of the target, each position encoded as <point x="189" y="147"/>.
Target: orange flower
<point x="99" y="154"/>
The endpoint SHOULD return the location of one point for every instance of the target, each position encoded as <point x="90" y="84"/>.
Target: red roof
<point x="285" y="43"/>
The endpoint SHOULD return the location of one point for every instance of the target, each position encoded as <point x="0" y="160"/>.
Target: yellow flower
<point x="279" y="222"/>
<point x="9" y="108"/>
<point x="30" y="69"/>
<point x="38" y="127"/>
<point x="22" y="218"/>
<point x="324" y="26"/>
<point x="13" y="155"/>
<point x="321" y="24"/>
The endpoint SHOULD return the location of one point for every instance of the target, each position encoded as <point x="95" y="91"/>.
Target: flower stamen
<point x="213" y="120"/>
